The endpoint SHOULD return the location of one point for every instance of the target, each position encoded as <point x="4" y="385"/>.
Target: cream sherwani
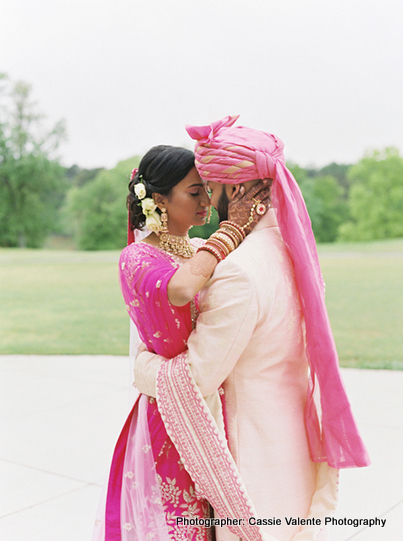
<point x="249" y="339"/>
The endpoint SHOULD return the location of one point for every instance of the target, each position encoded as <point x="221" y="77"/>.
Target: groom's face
<point x="220" y="197"/>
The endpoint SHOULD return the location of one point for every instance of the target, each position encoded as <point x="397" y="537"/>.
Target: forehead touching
<point x="212" y="185"/>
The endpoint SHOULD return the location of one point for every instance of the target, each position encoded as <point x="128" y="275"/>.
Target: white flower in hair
<point x="140" y="190"/>
<point x="153" y="222"/>
<point x="148" y="205"/>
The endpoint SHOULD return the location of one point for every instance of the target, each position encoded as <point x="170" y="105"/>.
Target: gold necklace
<point x="176" y="245"/>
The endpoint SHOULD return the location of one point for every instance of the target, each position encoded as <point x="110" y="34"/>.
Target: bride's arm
<point x="190" y="278"/>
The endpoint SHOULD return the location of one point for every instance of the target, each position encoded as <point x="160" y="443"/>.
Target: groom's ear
<point x="236" y="189"/>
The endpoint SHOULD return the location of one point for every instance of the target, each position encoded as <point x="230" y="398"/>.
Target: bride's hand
<point x="141" y="349"/>
<point x="239" y="208"/>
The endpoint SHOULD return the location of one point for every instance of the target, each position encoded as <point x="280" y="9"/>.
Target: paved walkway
<point x="60" y="417"/>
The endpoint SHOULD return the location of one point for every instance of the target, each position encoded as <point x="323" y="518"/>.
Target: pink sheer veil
<point x="233" y="155"/>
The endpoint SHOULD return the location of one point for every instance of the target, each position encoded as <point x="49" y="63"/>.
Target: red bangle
<point x="214" y="251"/>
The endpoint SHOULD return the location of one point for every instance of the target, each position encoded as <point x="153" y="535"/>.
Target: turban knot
<point x="207" y="133"/>
<point x="265" y="165"/>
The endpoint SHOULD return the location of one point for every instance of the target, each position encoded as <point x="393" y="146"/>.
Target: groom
<point x="252" y="340"/>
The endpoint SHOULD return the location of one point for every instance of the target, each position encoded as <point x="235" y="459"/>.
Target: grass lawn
<point x="61" y="302"/>
<point x="364" y="297"/>
<point x="69" y="302"/>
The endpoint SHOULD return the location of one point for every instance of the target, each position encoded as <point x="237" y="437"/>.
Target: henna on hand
<point x="242" y="210"/>
<point x="200" y="267"/>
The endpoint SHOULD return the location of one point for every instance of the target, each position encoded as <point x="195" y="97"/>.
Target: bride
<point x="150" y="491"/>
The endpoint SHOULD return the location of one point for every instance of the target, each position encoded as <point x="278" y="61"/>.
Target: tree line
<point x="39" y="197"/>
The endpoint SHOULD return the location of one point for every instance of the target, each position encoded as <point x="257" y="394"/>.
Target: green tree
<point x="339" y="172"/>
<point x="97" y="211"/>
<point x="79" y="177"/>
<point x="313" y="203"/>
<point x="375" y="198"/>
<point x="325" y="199"/>
<point x="32" y="184"/>
<point x="333" y="207"/>
<point x="300" y="174"/>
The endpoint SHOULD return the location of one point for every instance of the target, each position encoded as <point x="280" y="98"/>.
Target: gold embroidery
<point x="170" y="492"/>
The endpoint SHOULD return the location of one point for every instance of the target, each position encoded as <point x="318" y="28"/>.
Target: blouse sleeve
<point x="144" y="275"/>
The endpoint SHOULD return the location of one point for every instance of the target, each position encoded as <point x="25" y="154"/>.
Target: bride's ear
<point x="159" y="199"/>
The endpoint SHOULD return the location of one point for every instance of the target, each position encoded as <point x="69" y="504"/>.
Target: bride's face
<point x="187" y="204"/>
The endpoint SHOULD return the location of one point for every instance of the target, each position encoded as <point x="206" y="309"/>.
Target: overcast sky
<point x="326" y="76"/>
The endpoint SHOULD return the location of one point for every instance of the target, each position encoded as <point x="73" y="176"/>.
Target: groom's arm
<point x="223" y="330"/>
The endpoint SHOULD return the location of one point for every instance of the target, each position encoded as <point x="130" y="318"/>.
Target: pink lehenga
<point x="153" y="480"/>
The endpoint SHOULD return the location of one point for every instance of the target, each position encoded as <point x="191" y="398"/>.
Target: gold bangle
<point x="231" y="235"/>
<point x="236" y="230"/>
<point x="235" y="226"/>
<point x="225" y="239"/>
<point x="238" y="236"/>
<point x="219" y="245"/>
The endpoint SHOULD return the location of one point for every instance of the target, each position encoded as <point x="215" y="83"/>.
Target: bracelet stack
<point x="224" y="240"/>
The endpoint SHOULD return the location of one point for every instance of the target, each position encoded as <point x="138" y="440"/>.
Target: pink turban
<point x="232" y="155"/>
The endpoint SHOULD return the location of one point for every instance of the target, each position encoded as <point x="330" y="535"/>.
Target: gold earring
<point x="164" y="220"/>
<point x="209" y="215"/>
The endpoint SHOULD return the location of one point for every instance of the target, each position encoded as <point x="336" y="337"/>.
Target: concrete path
<point x="60" y="417"/>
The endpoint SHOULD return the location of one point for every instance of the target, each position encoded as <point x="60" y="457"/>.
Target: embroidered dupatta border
<point x="202" y="448"/>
